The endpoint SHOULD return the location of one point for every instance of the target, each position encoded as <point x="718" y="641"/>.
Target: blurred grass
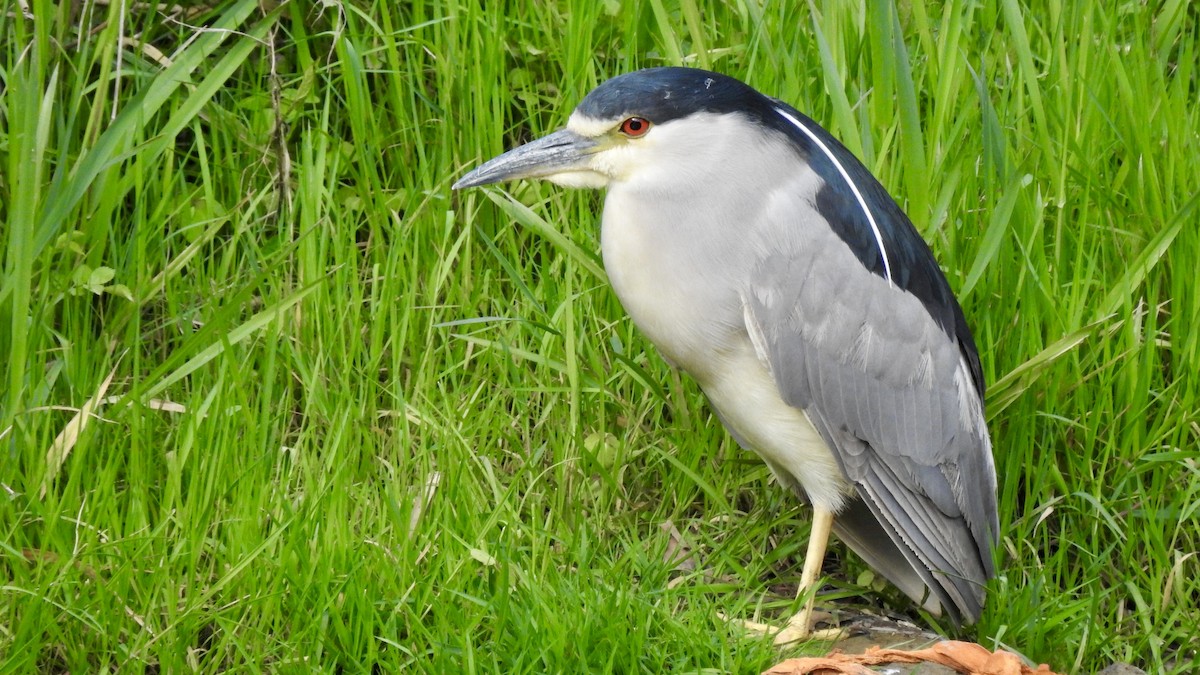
<point x="358" y="422"/>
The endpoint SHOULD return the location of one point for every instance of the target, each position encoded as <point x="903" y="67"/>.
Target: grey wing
<point x="892" y="395"/>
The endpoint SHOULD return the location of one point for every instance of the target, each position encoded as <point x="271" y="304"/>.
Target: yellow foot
<point x="794" y="631"/>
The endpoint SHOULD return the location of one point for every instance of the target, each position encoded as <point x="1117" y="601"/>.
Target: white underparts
<point x="743" y="390"/>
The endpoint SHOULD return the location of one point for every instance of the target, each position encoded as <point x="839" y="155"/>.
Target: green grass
<point x="356" y="421"/>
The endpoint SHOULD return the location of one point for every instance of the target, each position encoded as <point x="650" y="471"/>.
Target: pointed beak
<point x="562" y="152"/>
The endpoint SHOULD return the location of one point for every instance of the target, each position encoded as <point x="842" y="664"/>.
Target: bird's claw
<point x="796" y="630"/>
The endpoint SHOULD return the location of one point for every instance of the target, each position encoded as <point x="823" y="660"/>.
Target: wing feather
<point x="883" y="384"/>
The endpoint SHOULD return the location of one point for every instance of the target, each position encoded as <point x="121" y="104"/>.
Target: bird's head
<point x="639" y="126"/>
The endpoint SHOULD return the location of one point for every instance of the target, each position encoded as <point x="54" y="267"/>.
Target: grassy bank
<point x="276" y="399"/>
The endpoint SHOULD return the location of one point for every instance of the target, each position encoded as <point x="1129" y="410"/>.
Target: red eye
<point x="635" y="126"/>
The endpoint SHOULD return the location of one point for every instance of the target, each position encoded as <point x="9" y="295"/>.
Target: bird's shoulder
<point x="852" y="204"/>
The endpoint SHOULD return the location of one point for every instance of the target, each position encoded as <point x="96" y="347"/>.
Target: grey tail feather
<point x="863" y="531"/>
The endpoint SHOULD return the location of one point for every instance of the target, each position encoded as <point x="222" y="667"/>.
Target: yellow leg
<point x="799" y="627"/>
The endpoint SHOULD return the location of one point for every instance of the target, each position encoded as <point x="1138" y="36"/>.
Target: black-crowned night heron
<point x="761" y="257"/>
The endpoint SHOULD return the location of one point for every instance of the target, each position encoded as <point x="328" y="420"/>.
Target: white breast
<point x="656" y="272"/>
<point x="684" y="295"/>
<point x="679" y="244"/>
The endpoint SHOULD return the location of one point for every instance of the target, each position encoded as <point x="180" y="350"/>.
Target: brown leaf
<point x="678" y="552"/>
<point x="967" y="658"/>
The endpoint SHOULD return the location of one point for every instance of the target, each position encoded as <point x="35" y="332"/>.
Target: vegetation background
<point x="275" y="399"/>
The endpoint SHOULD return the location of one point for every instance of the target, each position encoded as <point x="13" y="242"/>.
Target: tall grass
<point x="276" y="399"/>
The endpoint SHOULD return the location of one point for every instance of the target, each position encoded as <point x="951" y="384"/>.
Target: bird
<point x="762" y="258"/>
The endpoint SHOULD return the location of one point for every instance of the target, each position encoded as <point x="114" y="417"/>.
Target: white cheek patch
<point x="606" y="166"/>
<point x="620" y="160"/>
